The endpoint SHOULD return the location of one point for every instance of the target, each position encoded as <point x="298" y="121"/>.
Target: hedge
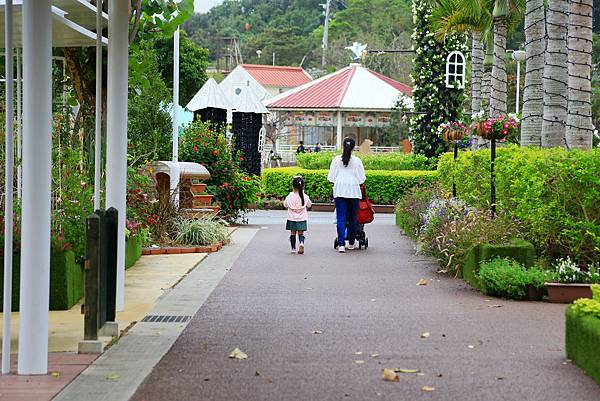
<point x="583" y="342"/>
<point x="553" y="192"/>
<point x="383" y="187"/>
<point x="133" y="251"/>
<point x="66" y="281"/>
<point x="378" y="161"/>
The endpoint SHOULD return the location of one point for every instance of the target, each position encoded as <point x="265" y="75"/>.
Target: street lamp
<point x="518" y="56"/>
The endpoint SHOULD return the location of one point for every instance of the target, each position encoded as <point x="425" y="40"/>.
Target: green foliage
<point x="553" y="192"/>
<point x="133" y="251"/>
<point x="201" y="232"/>
<point x="430" y="94"/>
<point x="383" y="187"/>
<point x="567" y="271"/>
<point x="412" y="206"/>
<point x="507" y="278"/>
<point x="583" y="342"/>
<point x="382" y="161"/>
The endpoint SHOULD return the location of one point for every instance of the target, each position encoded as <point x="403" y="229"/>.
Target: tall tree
<point x="556" y="74"/>
<point x="533" y="96"/>
<point x="579" y="112"/>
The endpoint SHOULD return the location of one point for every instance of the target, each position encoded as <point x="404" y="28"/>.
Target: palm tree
<point x="556" y="75"/>
<point x="579" y="111"/>
<point x="533" y="96"/>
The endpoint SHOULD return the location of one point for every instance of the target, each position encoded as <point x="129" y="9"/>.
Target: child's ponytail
<point x="298" y="185"/>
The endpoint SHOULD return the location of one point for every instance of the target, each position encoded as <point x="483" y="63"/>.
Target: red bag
<point x="366" y="213"/>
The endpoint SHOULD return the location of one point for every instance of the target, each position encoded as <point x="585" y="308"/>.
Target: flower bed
<point x="379" y="161"/>
<point x="383" y="187"/>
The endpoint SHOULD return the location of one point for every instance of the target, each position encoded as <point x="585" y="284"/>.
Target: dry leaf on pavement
<point x="113" y="376"/>
<point x="425" y="334"/>
<point x="423" y="281"/>
<point x="317" y="332"/>
<point x="55" y="374"/>
<point x="238" y="354"/>
<point x="390" y="376"/>
<point x="375" y="355"/>
<point x="398" y="370"/>
<point x="359" y="362"/>
<point x="428" y="389"/>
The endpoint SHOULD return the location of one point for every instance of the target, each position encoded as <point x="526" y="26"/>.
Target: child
<point x="297" y="203"/>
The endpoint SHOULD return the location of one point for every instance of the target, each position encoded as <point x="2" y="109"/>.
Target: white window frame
<point x="455" y="59"/>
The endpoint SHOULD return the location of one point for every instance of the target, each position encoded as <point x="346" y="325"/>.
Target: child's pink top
<point x="297" y="212"/>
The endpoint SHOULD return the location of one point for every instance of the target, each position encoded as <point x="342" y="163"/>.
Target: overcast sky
<point x="205" y="5"/>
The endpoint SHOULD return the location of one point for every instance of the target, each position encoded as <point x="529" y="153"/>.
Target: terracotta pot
<point x="534" y="294"/>
<point x="198" y="188"/>
<point x="566" y="293"/>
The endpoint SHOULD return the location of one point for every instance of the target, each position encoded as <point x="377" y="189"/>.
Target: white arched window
<point x="455" y="70"/>
<point x="262" y="137"/>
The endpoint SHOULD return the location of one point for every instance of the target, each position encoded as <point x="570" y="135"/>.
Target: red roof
<point x="283" y="77"/>
<point x="406" y="89"/>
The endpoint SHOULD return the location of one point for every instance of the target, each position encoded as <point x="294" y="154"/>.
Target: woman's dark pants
<point x="347" y="211"/>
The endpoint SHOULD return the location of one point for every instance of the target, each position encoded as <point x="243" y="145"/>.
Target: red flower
<point x="195" y="148"/>
<point x="215" y="152"/>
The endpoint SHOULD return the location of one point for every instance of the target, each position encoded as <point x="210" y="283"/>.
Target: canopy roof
<point x="277" y="76"/>
<point x="71" y="25"/>
<point x="351" y="88"/>
<point x="247" y="102"/>
<point x="209" y="96"/>
<point x="185" y="169"/>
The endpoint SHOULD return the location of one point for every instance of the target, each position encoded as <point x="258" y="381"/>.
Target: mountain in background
<point x="293" y="30"/>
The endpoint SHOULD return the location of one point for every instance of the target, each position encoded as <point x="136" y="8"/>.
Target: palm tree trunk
<point x="579" y="115"/>
<point x="556" y="75"/>
<point x="533" y="96"/>
<point x="498" y="92"/>
<point x="477" y="57"/>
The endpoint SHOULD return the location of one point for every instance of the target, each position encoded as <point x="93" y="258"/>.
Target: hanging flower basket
<point x="453" y="131"/>
<point x="451" y="135"/>
<point x="478" y="128"/>
<point x="498" y="128"/>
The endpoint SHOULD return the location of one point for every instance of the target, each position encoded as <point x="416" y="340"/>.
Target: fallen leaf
<point x="375" y="355"/>
<point x="359" y="362"/>
<point x="238" y="354"/>
<point x="495" y="306"/>
<point x="317" y="332"/>
<point x="423" y="281"/>
<point x="420" y="374"/>
<point x="425" y="335"/>
<point x="390" y="376"/>
<point x="470" y="346"/>
<point x="257" y="373"/>
<point x="113" y="376"/>
<point x="309" y="289"/>
<point x="398" y="370"/>
<point x="55" y="374"/>
<point x="358" y="353"/>
<point x="372" y="299"/>
<point x="428" y="389"/>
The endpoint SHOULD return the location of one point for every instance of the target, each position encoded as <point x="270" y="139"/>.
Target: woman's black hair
<point x="349" y="145"/>
<point x="298" y="184"/>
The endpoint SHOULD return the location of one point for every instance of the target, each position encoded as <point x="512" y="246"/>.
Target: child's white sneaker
<point x="341" y="249"/>
<point x="301" y="249"/>
<point x="350" y="247"/>
<point x="293" y="251"/>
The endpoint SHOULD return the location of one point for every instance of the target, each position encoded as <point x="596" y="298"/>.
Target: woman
<point x="347" y="174"/>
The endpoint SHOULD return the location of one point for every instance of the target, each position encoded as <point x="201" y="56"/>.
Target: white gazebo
<point x="36" y="27"/>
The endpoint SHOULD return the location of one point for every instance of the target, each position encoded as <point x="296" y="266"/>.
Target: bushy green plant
<point x="380" y="161"/>
<point x="589" y="307"/>
<point x="383" y="187"/>
<point x="412" y="206"/>
<point x="509" y="279"/>
<point x="201" y="232"/>
<point x="553" y="192"/>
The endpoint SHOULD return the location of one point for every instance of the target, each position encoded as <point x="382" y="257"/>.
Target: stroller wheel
<point x="360" y="244"/>
<point x="366" y="243"/>
<point x="335" y="244"/>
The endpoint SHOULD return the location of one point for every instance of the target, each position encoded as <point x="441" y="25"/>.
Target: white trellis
<point x="455" y="70"/>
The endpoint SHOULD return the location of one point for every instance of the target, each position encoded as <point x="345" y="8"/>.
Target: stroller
<point x="366" y="214"/>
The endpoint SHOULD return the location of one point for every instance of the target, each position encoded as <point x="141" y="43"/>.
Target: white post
<point x="518" y="86"/>
<point x="175" y="95"/>
<point x="9" y="185"/>
<point x="19" y="130"/>
<point x="116" y="135"/>
<point x="338" y="139"/>
<point x="325" y="35"/>
<point x="37" y="164"/>
<point x="98" y="136"/>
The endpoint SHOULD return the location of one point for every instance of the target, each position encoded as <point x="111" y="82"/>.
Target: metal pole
<point x="518" y="86"/>
<point x="9" y="185"/>
<point x="116" y="135"/>
<point x="175" y="95"/>
<point x="454" y="175"/>
<point x="273" y="58"/>
<point x="98" y="138"/>
<point x="37" y="164"/>
<point x="325" y="34"/>
<point x="19" y="130"/>
<point x="493" y="178"/>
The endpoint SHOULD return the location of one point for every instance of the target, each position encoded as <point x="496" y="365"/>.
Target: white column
<point x="98" y="136"/>
<point x="19" y="130"/>
<point x="340" y="125"/>
<point x="175" y="95"/>
<point x="37" y="147"/>
<point x="9" y="185"/>
<point x="116" y="135"/>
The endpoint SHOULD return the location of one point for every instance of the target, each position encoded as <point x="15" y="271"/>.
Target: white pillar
<point x="19" y="130"/>
<point x="175" y="95"/>
<point x="9" y="185"/>
<point x="116" y="135"/>
<point x="518" y="97"/>
<point x="339" y="134"/>
<point x="37" y="149"/>
<point x="98" y="136"/>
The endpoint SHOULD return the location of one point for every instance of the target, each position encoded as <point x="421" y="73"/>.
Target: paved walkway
<point x="366" y="307"/>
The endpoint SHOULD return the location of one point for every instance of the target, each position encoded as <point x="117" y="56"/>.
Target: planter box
<point x="133" y="251"/>
<point x="566" y="293"/>
<point x="583" y="342"/>
<point x="66" y="281"/>
<point x="534" y="294"/>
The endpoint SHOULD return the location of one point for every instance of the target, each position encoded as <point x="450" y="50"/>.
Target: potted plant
<point x="571" y="281"/>
<point x="454" y="132"/>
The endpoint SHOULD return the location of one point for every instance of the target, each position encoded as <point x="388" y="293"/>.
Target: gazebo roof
<point x="70" y="28"/>
<point x="247" y="102"/>
<point x="209" y="96"/>
<point x="351" y="88"/>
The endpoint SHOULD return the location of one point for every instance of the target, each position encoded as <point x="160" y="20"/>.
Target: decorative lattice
<point x="246" y="136"/>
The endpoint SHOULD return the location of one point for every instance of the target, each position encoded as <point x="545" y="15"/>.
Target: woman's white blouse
<point x="346" y="179"/>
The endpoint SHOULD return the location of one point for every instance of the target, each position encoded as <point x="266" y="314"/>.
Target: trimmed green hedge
<point x="554" y="192"/>
<point x="133" y="251"/>
<point x="583" y="342"/>
<point x="383" y="187"/>
<point x="379" y="161"/>
<point x="66" y="281"/>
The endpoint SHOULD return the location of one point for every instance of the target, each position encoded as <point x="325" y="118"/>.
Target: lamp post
<point x="518" y="56"/>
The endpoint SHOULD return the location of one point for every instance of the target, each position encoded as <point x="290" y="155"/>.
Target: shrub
<point x="589" y="307"/>
<point x="554" y="193"/>
<point x="412" y="206"/>
<point x="383" y="187"/>
<point x="583" y="341"/>
<point x="379" y="161"/>
<point x="201" y="232"/>
<point x="509" y="279"/>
